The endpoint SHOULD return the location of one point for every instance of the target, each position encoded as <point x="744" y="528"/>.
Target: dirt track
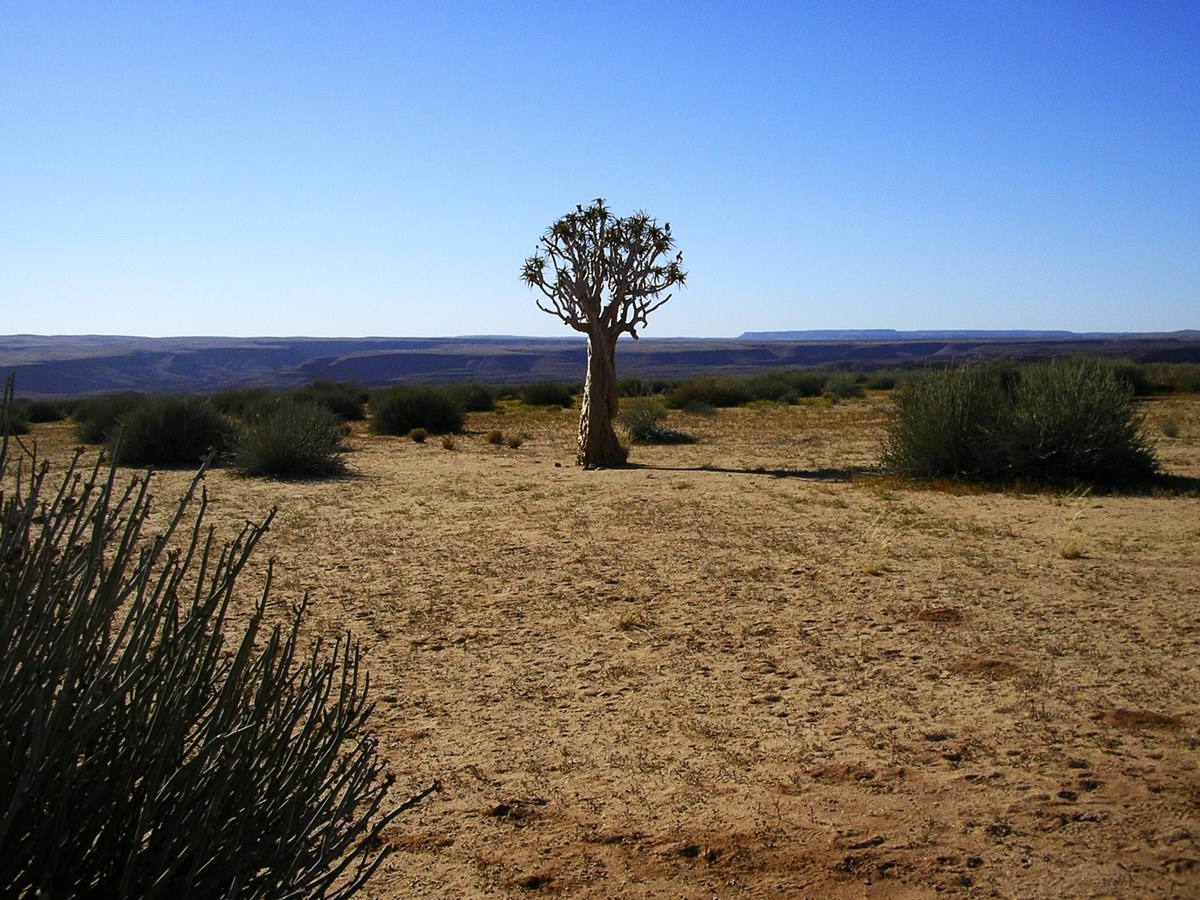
<point x="745" y="668"/>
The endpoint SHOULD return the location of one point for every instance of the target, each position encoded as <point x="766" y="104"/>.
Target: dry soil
<point x="749" y="667"/>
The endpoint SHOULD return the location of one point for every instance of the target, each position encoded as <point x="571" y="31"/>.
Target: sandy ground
<point x="748" y="668"/>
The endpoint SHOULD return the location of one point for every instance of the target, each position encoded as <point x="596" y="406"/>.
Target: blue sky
<point x="352" y="168"/>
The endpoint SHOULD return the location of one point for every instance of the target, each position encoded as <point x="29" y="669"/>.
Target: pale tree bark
<point x="599" y="446"/>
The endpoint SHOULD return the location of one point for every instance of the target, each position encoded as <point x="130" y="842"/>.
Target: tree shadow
<point x="1159" y="485"/>
<point x="832" y="474"/>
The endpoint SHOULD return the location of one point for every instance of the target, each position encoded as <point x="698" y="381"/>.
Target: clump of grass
<point x="448" y="442"/>
<point x="495" y="437"/>
<point x="1071" y="548"/>
<point x="641" y="421"/>
<point x="291" y="439"/>
<point x="514" y="441"/>
<point x="398" y="410"/>
<point x="1170" y="428"/>
<point x="169" y="431"/>
<point x="418" y="435"/>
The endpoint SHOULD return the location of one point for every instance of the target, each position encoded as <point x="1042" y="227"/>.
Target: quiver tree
<point x="603" y="275"/>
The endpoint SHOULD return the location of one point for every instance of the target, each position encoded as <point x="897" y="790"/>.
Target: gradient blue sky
<point x="352" y="168"/>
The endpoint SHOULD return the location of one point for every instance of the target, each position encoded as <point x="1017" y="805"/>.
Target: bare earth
<point x="748" y="668"/>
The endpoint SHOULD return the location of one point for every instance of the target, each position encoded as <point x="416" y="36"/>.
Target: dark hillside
<point x="70" y="366"/>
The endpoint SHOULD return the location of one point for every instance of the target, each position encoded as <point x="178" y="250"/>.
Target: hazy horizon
<point x="569" y="335"/>
<point x="376" y="169"/>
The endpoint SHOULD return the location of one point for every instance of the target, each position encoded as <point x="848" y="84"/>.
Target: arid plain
<point x="751" y="667"/>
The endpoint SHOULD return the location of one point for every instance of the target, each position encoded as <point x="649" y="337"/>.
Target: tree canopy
<point x="600" y="272"/>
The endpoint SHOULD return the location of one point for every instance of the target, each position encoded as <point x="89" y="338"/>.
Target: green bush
<point x="710" y="391"/>
<point x="1067" y="421"/>
<point x="843" y="386"/>
<point x="636" y="386"/>
<point x="147" y="749"/>
<point x="1187" y="378"/>
<point x="1075" y="420"/>
<point x="14" y="420"/>
<point x="40" y="411"/>
<point x="240" y="403"/>
<point x="472" y="396"/>
<point x="169" y="431"/>
<point x="290" y="439"/>
<point x="948" y="423"/>
<point x="547" y="393"/>
<point x="398" y="410"/>
<point x="344" y="399"/>
<point x="882" y="380"/>
<point x="641" y="420"/>
<point x="785" y="386"/>
<point x="97" y="418"/>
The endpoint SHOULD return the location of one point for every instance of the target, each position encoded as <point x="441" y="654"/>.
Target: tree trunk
<point x="598" y="444"/>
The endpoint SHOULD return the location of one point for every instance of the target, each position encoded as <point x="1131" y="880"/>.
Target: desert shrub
<point x="641" y="421"/>
<point x="494" y="437"/>
<point x="147" y="748"/>
<point x="636" y="386"/>
<point x="948" y="423"/>
<point x="418" y="435"/>
<point x="472" y="396"/>
<point x="882" y="380"/>
<point x="448" y="442"/>
<point x="40" y="411"/>
<point x="514" y="441"/>
<point x="169" y="431"/>
<point x="1075" y="420"/>
<point x="1136" y="375"/>
<point x="290" y="439"/>
<point x="785" y="386"/>
<point x="707" y="390"/>
<point x="242" y="403"/>
<point x="97" y="418"/>
<point x="547" y="393"/>
<point x="843" y="386"/>
<point x="1065" y="421"/>
<point x="1187" y="378"/>
<point x="398" y="410"/>
<point x="1170" y="428"/>
<point x="344" y="399"/>
<point x="1162" y="378"/>
<point x="14" y="420"/>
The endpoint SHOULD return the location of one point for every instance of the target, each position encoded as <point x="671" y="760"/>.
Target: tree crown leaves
<point x="600" y="272"/>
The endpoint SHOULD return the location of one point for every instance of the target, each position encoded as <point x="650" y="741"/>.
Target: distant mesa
<point x="889" y="334"/>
